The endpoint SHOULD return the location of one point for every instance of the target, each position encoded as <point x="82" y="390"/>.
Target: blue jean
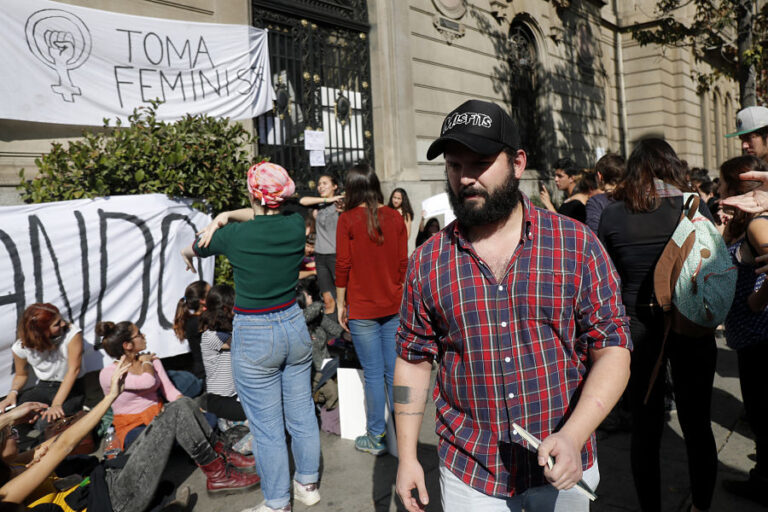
<point x="271" y="365"/>
<point x="374" y="342"/>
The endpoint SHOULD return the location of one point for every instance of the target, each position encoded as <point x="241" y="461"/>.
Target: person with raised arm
<point x="271" y="349"/>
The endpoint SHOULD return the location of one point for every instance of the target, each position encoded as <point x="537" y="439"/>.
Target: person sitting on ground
<point x="308" y="264"/>
<point x="216" y="323"/>
<point x="146" y="385"/>
<point x="609" y="171"/>
<point x="128" y="482"/>
<point x="54" y="350"/>
<point x="186" y="322"/>
<point x="398" y="200"/>
<point x="426" y="230"/>
<point x="322" y="329"/>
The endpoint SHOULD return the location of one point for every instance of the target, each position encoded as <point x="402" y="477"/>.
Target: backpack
<point x="695" y="279"/>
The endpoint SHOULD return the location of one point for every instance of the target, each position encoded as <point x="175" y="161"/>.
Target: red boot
<point x="222" y="477"/>
<point x="236" y="459"/>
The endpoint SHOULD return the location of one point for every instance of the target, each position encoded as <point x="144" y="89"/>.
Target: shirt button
<point x="501" y="288"/>
<point x="507" y="359"/>
<point x="511" y="395"/>
<point x="503" y="324"/>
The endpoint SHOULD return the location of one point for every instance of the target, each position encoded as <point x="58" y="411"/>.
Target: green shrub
<point x="197" y="157"/>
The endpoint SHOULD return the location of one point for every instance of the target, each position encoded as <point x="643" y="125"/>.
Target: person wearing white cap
<point x="752" y="129"/>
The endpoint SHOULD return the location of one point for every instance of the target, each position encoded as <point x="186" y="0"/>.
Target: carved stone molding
<point x="453" y="9"/>
<point x="448" y="28"/>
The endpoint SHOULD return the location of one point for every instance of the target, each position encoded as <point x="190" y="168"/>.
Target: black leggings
<point x="227" y="407"/>
<point x="754" y="390"/>
<point x="693" y="369"/>
<point x="45" y="391"/>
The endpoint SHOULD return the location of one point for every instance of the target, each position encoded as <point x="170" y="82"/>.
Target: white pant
<point x="459" y="497"/>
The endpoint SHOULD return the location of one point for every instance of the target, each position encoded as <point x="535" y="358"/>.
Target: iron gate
<point x="320" y="63"/>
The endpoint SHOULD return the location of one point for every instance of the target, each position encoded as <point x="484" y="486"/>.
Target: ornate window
<point x="320" y="63"/>
<point x="523" y="83"/>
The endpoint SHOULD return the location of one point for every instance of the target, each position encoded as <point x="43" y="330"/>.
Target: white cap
<point x="749" y="120"/>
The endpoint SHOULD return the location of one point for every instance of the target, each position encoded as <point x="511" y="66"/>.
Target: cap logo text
<point x="467" y="118"/>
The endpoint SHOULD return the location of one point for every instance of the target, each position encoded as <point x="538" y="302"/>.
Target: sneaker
<point x="375" y="445"/>
<point x="306" y="493"/>
<point x="264" y="508"/>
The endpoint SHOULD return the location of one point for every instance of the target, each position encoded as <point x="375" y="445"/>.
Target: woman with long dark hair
<point x="371" y="260"/>
<point x="54" y="350"/>
<point x="635" y="230"/>
<point x="398" y="200"/>
<point x="746" y="327"/>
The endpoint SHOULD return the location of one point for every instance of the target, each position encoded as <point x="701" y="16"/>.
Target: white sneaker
<point x="264" y="508"/>
<point x="306" y="493"/>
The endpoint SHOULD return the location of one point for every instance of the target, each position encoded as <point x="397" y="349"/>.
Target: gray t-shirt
<point x="325" y="226"/>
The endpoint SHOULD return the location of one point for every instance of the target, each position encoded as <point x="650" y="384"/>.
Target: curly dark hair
<point x="218" y="312"/>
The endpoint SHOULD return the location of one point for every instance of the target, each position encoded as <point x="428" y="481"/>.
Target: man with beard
<point x="522" y="310"/>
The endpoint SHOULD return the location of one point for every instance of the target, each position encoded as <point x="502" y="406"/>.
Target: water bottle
<point x="111" y="444"/>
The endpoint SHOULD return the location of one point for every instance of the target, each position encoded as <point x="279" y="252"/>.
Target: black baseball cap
<point x="482" y="126"/>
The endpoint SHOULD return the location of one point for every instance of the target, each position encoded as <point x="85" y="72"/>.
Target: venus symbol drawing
<point x="61" y="41"/>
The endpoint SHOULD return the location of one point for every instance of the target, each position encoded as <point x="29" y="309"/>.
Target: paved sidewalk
<point x="354" y="481"/>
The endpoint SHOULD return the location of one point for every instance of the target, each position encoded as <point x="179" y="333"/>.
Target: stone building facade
<point x="568" y="71"/>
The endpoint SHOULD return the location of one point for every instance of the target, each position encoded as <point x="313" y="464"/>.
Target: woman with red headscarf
<point x="54" y="350"/>
<point x="271" y="347"/>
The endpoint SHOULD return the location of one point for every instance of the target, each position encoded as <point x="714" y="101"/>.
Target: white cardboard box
<point x="352" y="408"/>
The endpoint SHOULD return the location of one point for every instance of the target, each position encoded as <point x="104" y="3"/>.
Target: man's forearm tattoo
<point x="401" y="394"/>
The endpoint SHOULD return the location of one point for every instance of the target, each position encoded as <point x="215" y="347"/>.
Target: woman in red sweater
<point x="371" y="260"/>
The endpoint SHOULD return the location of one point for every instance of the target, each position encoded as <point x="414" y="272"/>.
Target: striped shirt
<point x="510" y="351"/>
<point x="218" y="363"/>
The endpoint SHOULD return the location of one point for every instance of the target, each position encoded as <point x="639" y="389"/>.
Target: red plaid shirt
<point x="514" y="350"/>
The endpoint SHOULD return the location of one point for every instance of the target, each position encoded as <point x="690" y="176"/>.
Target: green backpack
<point x="695" y="279"/>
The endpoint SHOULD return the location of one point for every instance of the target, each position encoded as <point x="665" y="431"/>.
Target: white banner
<point x="109" y="259"/>
<point x="74" y="65"/>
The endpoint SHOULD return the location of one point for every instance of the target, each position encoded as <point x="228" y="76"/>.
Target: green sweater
<point x="266" y="254"/>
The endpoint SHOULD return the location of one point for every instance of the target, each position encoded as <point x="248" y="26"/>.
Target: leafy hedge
<point x="198" y="157"/>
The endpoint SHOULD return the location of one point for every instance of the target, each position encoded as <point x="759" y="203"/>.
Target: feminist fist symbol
<point x="62" y="42"/>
